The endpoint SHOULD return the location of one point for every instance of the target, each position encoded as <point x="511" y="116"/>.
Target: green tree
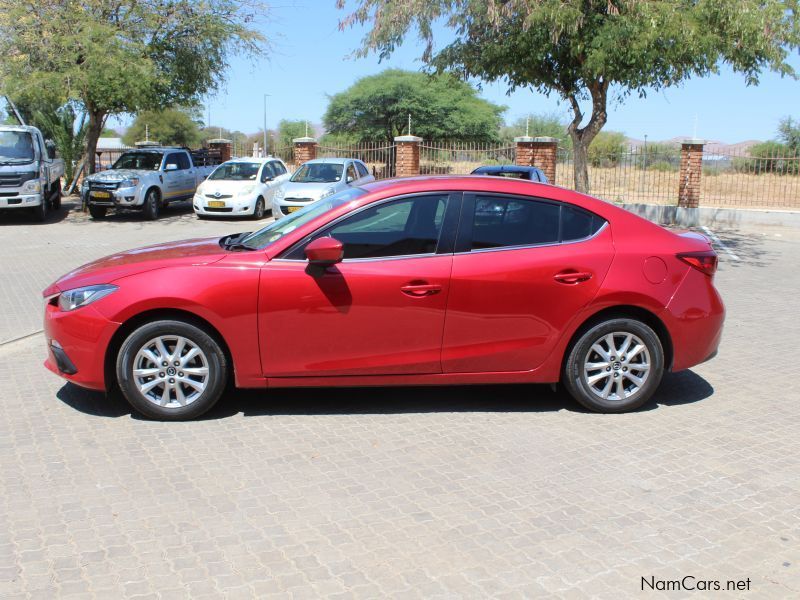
<point x="122" y="56"/>
<point x="376" y="108"/>
<point x="291" y="129"/>
<point x="607" y="148"/>
<point x="542" y="125"/>
<point x="789" y="133"/>
<point x="578" y="49"/>
<point x="171" y="126"/>
<point x="67" y="128"/>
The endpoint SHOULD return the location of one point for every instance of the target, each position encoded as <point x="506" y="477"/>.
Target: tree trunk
<point x="93" y="131"/>
<point x="582" y="136"/>
<point x="580" y="164"/>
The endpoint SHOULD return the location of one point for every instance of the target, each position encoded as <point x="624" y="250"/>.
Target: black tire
<point x="215" y="360"/>
<point x="55" y="202"/>
<point x="152" y="204"/>
<point x="620" y="368"/>
<point x="97" y="212"/>
<point x="40" y="212"/>
<point x="259" y="210"/>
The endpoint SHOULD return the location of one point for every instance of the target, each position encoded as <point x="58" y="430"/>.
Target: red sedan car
<point x="422" y="281"/>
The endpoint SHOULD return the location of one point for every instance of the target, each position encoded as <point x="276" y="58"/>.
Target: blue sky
<point x="309" y="60"/>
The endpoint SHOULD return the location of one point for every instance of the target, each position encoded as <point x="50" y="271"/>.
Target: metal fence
<point x="461" y="158"/>
<point x="286" y="154"/>
<point x="757" y="177"/>
<point x="638" y="174"/>
<point x="380" y="158"/>
<point x="739" y="177"/>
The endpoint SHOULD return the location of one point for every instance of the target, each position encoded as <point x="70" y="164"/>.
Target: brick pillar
<point x="407" y="160"/>
<point x="539" y="152"/>
<point x="305" y="149"/>
<point x="221" y="146"/>
<point x="691" y="173"/>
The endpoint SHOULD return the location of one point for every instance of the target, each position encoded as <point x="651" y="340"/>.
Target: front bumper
<point x="233" y="207"/>
<point x="120" y="198"/>
<point x="76" y="344"/>
<point x="286" y="206"/>
<point x="21" y="201"/>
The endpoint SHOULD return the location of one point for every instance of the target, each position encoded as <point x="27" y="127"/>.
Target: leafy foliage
<point x="171" y="126"/>
<point x="121" y="56"/>
<point x="541" y="125"/>
<point x="376" y="108"/>
<point x="770" y="157"/>
<point x="789" y="133"/>
<point x="66" y="126"/>
<point x="578" y="49"/>
<point x="607" y="149"/>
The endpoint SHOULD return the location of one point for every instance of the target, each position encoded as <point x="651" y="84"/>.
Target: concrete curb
<point x="711" y="216"/>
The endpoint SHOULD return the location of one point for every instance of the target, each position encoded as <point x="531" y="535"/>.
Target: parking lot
<point x="489" y="491"/>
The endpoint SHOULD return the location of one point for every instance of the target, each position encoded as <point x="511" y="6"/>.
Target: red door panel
<point x="507" y="307"/>
<point x="372" y="317"/>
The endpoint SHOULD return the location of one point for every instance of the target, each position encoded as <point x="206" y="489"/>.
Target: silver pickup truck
<point x="30" y="173"/>
<point x="145" y="179"/>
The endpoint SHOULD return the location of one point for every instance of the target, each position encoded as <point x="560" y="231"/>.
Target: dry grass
<point x="629" y="184"/>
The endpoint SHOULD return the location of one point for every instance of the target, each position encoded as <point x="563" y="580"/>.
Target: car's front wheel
<point x="171" y="370"/>
<point x="259" y="210"/>
<point x="615" y="366"/>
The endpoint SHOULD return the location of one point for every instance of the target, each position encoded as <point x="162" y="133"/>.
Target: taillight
<point x="705" y="262"/>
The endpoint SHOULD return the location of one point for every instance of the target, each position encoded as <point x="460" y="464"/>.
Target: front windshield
<point x="318" y="173"/>
<point x="236" y="171"/>
<point x="16" y="145"/>
<point x="139" y="161"/>
<point x="275" y="231"/>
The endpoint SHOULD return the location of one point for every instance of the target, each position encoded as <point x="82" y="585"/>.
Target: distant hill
<point x="713" y="146"/>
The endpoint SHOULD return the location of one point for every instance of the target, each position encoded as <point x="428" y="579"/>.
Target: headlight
<point x="72" y="299"/>
<point x="247" y="190"/>
<point x="84" y="185"/>
<point x="199" y="190"/>
<point x="328" y="192"/>
<point x="279" y="194"/>
<point x="129" y="182"/>
<point x="33" y="185"/>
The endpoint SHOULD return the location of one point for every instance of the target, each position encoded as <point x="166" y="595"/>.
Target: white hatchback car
<point x="241" y="187"/>
<point x="317" y="179"/>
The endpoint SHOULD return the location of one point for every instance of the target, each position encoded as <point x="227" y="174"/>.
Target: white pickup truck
<point x="144" y="179"/>
<point x="30" y="173"/>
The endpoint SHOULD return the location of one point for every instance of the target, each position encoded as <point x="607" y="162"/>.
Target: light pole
<point x="265" y="123"/>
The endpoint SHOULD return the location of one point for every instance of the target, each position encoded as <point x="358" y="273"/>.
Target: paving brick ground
<point x="507" y="492"/>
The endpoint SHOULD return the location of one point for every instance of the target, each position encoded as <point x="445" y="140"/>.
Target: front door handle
<point x="419" y="290"/>
<point x="572" y="277"/>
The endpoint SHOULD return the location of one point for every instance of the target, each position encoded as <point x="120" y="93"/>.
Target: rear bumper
<point x="694" y="316"/>
<point x="77" y="343"/>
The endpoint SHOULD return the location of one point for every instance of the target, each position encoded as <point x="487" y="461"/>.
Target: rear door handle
<point x="418" y="290"/>
<point x="571" y="277"/>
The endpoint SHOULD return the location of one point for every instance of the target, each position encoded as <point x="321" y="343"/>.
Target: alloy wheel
<point x="617" y="366"/>
<point x="171" y="371"/>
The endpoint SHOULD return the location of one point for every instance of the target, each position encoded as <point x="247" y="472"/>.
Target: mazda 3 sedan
<point x="419" y="281"/>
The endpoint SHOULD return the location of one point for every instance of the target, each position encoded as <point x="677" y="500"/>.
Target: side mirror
<point x="51" y="149"/>
<point x="350" y="179"/>
<point x="171" y="167"/>
<point x="325" y="251"/>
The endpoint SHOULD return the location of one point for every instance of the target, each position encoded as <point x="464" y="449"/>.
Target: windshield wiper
<point x="231" y="242"/>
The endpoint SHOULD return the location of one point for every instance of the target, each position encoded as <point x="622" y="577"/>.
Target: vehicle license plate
<point x="291" y="209"/>
<point x="216" y="204"/>
<point x="104" y="195"/>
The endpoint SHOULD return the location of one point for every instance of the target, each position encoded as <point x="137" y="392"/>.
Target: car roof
<point x="336" y="160"/>
<point x="251" y="159"/>
<point x="507" y="169"/>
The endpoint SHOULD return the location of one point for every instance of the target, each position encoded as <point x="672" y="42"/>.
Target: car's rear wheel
<point x="171" y="370"/>
<point x="615" y="366"/>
